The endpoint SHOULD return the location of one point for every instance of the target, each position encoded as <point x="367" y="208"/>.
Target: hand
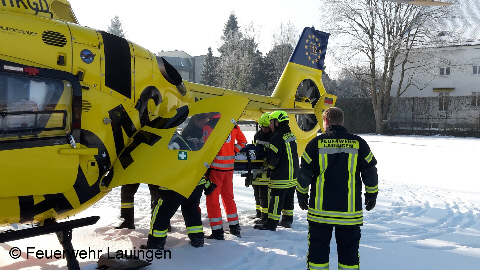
<point x="303" y="205"/>
<point x="209" y="187"/>
<point x="370" y="202"/>
<point x="302" y="200"/>
<point x="248" y="182"/>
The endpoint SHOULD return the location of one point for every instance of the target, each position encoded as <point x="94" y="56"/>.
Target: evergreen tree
<point x="116" y="27"/>
<point x="208" y="75"/>
<point x="240" y="61"/>
<point x="231" y="27"/>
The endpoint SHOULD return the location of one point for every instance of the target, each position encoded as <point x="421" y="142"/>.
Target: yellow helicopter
<point x="83" y="111"/>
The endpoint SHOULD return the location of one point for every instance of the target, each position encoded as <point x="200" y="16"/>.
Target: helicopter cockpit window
<point x="35" y="107"/>
<point x="189" y="135"/>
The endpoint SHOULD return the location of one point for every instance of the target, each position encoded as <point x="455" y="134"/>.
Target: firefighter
<point x="127" y="210"/>
<point x="170" y="201"/>
<point x="282" y="162"/>
<point x="335" y="164"/>
<point x="221" y="174"/>
<point x="260" y="183"/>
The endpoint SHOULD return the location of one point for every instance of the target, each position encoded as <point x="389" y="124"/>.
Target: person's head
<point x="264" y="122"/>
<point x="200" y="120"/>
<point x="332" y="116"/>
<point x="278" y="118"/>
<point x="211" y="114"/>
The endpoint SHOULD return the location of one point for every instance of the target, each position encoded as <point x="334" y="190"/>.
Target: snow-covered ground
<point x="427" y="217"/>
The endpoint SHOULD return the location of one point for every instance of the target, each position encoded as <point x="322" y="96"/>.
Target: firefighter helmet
<point x="279" y="115"/>
<point x="264" y="120"/>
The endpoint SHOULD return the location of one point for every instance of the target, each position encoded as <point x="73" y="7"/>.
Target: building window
<point x="445" y="71"/>
<point x="475" y="99"/>
<point x="443" y="101"/>
<point x="476" y="69"/>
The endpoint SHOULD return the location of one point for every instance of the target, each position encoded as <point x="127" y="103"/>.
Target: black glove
<point x="303" y="205"/>
<point x="209" y="187"/>
<point x="248" y="182"/>
<point x="267" y="169"/>
<point x="370" y="201"/>
<point x="302" y="200"/>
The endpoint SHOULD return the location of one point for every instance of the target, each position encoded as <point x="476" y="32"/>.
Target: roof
<point x="462" y="23"/>
<point x="179" y="54"/>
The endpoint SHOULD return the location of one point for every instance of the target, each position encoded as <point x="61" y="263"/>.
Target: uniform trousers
<point x="281" y="200"/>
<point x="260" y="192"/>
<point x="348" y="241"/>
<point x="127" y="195"/>
<point x="167" y="206"/>
<point x="224" y="182"/>
<point x="287" y="211"/>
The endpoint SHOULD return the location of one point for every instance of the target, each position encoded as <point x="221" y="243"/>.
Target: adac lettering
<point x="59" y="202"/>
<point x="37" y="6"/>
<point x="28" y="209"/>
<point x="121" y="120"/>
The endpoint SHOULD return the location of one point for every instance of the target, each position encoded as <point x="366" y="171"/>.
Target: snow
<point x="427" y="217"/>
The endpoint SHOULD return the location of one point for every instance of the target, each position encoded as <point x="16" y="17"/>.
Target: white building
<point x="442" y="89"/>
<point x="189" y="67"/>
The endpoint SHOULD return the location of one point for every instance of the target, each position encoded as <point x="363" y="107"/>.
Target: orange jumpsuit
<point x="221" y="173"/>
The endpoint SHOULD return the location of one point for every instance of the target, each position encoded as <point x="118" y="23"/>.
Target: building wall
<point x="189" y="67"/>
<point x="198" y="66"/>
<point x="460" y="61"/>
<point x="444" y="91"/>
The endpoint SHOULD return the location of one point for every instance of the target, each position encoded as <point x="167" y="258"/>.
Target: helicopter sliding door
<point x="162" y="153"/>
<point x="35" y="120"/>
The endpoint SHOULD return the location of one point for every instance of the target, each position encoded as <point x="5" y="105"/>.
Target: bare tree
<point x="286" y="33"/>
<point x="284" y="40"/>
<point x="379" y="35"/>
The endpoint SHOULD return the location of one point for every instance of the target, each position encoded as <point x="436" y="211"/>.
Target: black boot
<point x="258" y="214"/>
<point x="286" y="221"/>
<point x="155" y="242"/>
<point x="263" y="219"/>
<point x="217" y="234"/>
<point x="270" y="225"/>
<point x="196" y="239"/>
<point x="235" y="230"/>
<point x="128" y="222"/>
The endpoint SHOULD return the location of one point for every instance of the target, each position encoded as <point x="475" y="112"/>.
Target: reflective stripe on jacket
<point x="335" y="164"/>
<point x="282" y="158"/>
<point x="225" y="158"/>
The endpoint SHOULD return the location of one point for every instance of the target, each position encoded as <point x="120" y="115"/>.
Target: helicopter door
<point x="35" y="117"/>
<point x="86" y="56"/>
<point x="162" y="154"/>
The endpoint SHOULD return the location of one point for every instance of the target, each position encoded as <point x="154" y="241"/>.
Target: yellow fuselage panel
<point x="20" y="33"/>
<point x="42" y="170"/>
<point x="85" y="41"/>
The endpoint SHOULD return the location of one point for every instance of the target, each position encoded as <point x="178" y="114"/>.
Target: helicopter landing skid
<point x="63" y="230"/>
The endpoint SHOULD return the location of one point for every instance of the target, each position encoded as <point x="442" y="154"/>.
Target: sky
<point x="193" y="26"/>
<point x="427" y="216"/>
